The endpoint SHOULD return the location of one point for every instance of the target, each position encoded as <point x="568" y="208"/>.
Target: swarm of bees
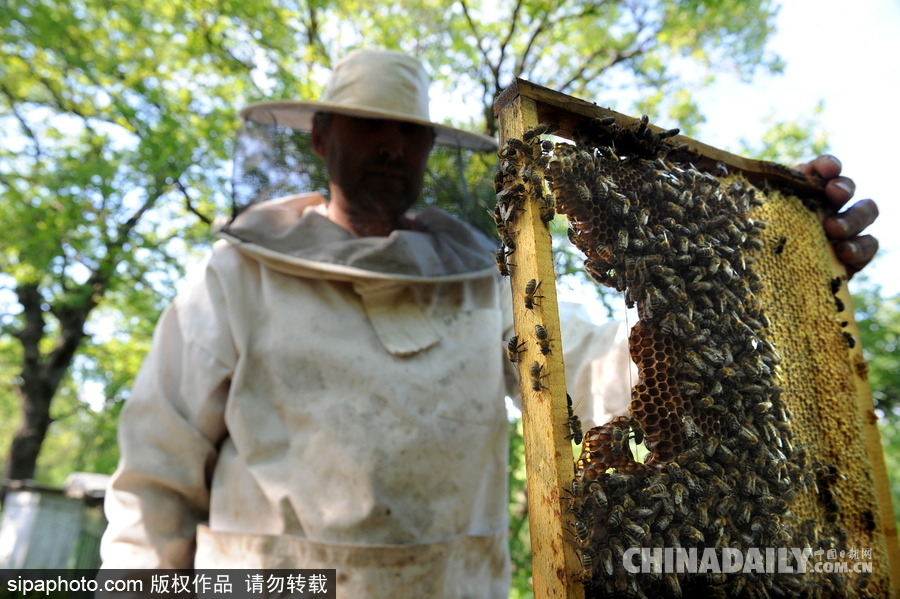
<point x="722" y="466"/>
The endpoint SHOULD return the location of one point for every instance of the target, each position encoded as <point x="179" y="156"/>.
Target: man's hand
<point x="844" y="228"/>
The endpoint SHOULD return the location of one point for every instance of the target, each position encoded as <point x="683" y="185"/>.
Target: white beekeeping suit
<point x="318" y="400"/>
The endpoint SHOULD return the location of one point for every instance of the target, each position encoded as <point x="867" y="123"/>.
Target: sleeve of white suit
<point x="168" y="434"/>
<point x="599" y="370"/>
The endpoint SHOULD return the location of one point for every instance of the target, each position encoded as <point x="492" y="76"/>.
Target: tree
<point x="117" y="119"/>
<point x="878" y="318"/>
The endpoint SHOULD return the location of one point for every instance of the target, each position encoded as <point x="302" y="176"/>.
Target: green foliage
<point x="790" y="142"/>
<point x="519" y="533"/>
<point x="878" y="318"/>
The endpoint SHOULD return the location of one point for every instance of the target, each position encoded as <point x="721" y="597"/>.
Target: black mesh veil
<point x="272" y="161"/>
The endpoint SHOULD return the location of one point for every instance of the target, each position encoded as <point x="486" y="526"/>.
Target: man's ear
<point x="318" y="142"/>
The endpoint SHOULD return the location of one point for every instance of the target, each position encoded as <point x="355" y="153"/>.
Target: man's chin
<point x="382" y="205"/>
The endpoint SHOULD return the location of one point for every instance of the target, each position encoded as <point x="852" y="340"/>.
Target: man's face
<point x="379" y="165"/>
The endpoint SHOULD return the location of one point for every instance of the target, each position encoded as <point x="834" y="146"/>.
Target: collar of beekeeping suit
<point x="293" y="236"/>
<point x="374" y="84"/>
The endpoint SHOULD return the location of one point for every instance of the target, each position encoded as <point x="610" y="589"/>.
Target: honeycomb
<point x="731" y="284"/>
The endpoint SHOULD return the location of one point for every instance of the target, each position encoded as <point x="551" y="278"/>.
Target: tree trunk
<point x="42" y="374"/>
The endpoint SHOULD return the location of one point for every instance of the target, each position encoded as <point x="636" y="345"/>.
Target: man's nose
<point x="392" y="141"/>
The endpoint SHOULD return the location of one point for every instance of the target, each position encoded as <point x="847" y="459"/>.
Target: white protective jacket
<point x="318" y="400"/>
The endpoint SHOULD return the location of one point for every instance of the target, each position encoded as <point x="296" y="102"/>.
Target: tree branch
<point x="474" y="30"/>
<point x="187" y="202"/>
<point x="514" y="20"/>
<point x="15" y="110"/>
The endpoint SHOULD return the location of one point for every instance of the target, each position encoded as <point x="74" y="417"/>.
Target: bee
<point x="703" y="515"/>
<point x="508" y="241"/>
<point x="678" y="494"/>
<point x="530" y="289"/>
<point x="516" y="144"/>
<point x="587" y="565"/>
<point x="641" y="512"/>
<point x="508" y="151"/>
<point x="575" y="427"/>
<point x="638" y="433"/>
<point x="748" y="435"/>
<point x="709" y="403"/>
<point x="655" y="298"/>
<point x="616" y="516"/>
<point x="869" y="521"/>
<point x="536" y="376"/>
<point x="725" y="506"/>
<point x="622" y="243"/>
<point x="543" y="339"/>
<point x="692" y="534"/>
<point x="548" y="212"/>
<point x="617" y="546"/>
<point x="754" y="243"/>
<point x="851" y="342"/>
<point x="620" y="438"/>
<point x="690" y="427"/>
<point x="502" y="264"/>
<point x="835" y="284"/>
<point x="662" y="523"/>
<point x="673" y="538"/>
<point x="683" y="259"/>
<point x="656" y="490"/>
<point x="693" y="453"/>
<point x="605" y="556"/>
<point x="576" y="489"/>
<point x="672" y="584"/>
<point x="621" y="204"/>
<point x="766" y="501"/>
<point x="582" y="533"/>
<point x="642" y="125"/>
<point x="689" y="388"/>
<point x="537" y="130"/>
<point x="669" y="192"/>
<point x="692" y="482"/>
<point x="621" y="579"/>
<point x="513" y="348"/>
<point x="643" y="217"/>
<point x="596" y="491"/>
<point x="635" y="530"/>
<point x="675" y="209"/>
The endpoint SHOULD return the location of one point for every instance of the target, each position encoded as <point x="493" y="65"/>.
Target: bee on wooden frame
<point x="514" y="348"/>
<point x="543" y="338"/>
<point x="502" y="263"/>
<point x="530" y="290"/>
<point x="537" y="375"/>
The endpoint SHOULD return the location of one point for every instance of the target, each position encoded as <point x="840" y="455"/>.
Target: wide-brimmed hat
<point x="377" y="84"/>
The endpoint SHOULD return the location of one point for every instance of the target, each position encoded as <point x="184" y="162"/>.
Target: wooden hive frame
<point x="557" y="565"/>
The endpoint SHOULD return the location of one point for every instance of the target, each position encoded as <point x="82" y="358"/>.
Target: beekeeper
<point x="328" y="391"/>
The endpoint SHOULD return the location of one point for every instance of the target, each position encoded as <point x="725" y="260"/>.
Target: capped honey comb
<point x="746" y="397"/>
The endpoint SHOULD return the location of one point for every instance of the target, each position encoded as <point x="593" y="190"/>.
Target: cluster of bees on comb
<point x="722" y="468"/>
